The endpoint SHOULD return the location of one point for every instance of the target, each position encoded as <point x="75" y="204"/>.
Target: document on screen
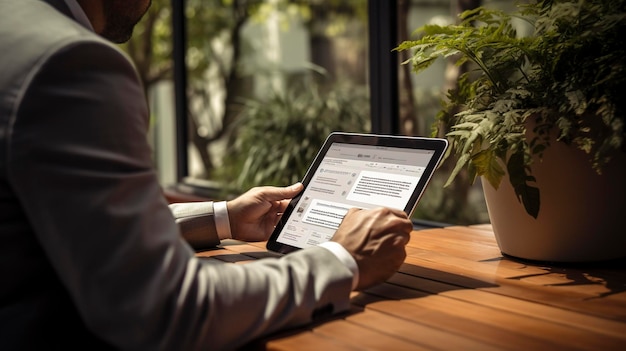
<point x="352" y="176"/>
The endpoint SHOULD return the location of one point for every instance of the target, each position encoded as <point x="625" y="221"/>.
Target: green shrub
<point x="277" y="138"/>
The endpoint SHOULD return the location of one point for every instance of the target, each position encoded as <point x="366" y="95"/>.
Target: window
<point x="264" y="83"/>
<point x="244" y="92"/>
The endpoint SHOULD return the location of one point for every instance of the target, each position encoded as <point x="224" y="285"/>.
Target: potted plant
<point x="533" y="106"/>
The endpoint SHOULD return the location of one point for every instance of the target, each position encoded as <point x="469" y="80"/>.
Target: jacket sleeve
<point x="196" y="222"/>
<point x="80" y="164"/>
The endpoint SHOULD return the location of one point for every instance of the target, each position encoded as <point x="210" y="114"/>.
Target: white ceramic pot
<point x="582" y="215"/>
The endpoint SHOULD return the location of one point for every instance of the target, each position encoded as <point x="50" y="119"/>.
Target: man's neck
<point x="94" y="12"/>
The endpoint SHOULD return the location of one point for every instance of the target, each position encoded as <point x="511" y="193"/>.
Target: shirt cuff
<point x="222" y="224"/>
<point x="344" y="256"/>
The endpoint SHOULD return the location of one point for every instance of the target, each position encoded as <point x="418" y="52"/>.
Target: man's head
<point x="115" y="19"/>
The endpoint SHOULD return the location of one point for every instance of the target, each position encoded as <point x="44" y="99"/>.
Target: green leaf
<point x="528" y="195"/>
<point x="463" y="159"/>
<point x="530" y="198"/>
<point x="488" y="166"/>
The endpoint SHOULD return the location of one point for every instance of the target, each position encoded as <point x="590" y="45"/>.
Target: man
<point x="91" y="255"/>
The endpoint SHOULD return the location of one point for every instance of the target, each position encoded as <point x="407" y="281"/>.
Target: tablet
<point x="356" y="170"/>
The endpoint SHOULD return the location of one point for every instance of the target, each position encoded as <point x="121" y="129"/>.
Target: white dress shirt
<point x="223" y="229"/>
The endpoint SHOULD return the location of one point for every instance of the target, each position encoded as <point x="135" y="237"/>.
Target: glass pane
<point x="420" y="95"/>
<point x="150" y="48"/>
<point x="267" y="82"/>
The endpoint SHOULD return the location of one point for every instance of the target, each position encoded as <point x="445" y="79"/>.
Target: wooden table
<point x="456" y="291"/>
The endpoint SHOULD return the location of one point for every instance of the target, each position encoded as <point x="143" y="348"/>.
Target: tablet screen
<point x="364" y="173"/>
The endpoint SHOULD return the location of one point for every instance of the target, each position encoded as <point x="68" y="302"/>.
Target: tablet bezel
<point x="438" y="145"/>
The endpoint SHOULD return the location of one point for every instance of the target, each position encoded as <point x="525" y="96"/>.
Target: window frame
<point x="179" y="49"/>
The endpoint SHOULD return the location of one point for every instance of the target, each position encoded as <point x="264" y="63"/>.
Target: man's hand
<point x="254" y="214"/>
<point x="376" y="239"/>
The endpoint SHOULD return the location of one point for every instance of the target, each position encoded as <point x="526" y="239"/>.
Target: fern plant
<point x="567" y="77"/>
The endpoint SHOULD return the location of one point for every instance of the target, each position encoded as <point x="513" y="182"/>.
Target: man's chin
<point x="118" y="37"/>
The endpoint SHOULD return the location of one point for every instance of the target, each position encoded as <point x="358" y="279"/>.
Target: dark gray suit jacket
<point x="90" y="253"/>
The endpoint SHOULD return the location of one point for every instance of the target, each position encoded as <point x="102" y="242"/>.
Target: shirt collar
<point x="78" y="14"/>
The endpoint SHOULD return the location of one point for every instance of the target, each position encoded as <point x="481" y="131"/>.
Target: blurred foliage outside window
<point x="267" y="81"/>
